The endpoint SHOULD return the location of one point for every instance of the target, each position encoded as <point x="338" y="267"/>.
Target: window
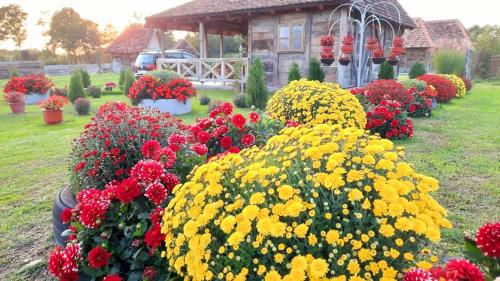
<point x="291" y="37"/>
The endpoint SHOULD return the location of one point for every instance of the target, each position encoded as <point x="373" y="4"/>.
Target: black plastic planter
<point x="327" y="62"/>
<point x="378" y="60"/>
<point x="393" y="62"/>
<point x="64" y="199"/>
<point x="344" y="62"/>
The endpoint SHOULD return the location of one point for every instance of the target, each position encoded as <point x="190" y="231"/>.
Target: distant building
<point x="130" y="43"/>
<point x="422" y="42"/>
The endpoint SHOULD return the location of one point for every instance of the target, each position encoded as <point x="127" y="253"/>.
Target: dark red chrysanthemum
<point x="226" y="108"/>
<point x="488" y="239"/>
<point x="63" y="263"/>
<point x="234" y="149"/>
<point x="98" y="257"/>
<point x="170" y="180"/>
<point x="238" y="121"/>
<point x="149" y="273"/>
<point x="226" y="142"/>
<point x="166" y="156"/>
<point x="147" y="171"/>
<point x="128" y="190"/>
<point x="254" y="117"/>
<point x="417" y="274"/>
<point x="156" y="215"/>
<point x="66" y="215"/>
<point x="56" y="261"/>
<point x="292" y="123"/>
<point x="114" y="277"/>
<point x="156" y="193"/>
<point x="462" y="269"/>
<point x="203" y="136"/>
<point x="247" y="140"/>
<point x="153" y="237"/>
<point x="175" y="141"/>
<point x="150" y="148"/>
<point x="92" y="207"/>
<point x="199" y="149"/>
<point x="70" y="276"/>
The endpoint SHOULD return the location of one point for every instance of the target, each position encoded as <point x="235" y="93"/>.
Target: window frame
<point x="290" y="37"/>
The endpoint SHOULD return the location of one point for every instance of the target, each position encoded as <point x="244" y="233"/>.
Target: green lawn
<point x="459" y="145"/>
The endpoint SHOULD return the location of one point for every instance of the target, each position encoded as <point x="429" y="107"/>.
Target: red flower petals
<point x="98" y="257"/>
<point x="488" y="239"/>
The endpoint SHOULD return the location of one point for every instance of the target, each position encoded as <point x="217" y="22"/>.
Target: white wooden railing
<point x="208" y="69"/>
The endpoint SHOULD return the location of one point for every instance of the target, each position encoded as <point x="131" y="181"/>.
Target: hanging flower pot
<point x="393" y="60"/>
<point x="397" y="42"/>
<point x="397" y="51"/>
<point x="327" y="56"/>
<point x="346" y="49"/>
<point x="344" y="60"/>
<point x="326" y="40"/>
<point x="348" y="39"/>
<point x="378" y="56"/>
<point x="372" y="44"/>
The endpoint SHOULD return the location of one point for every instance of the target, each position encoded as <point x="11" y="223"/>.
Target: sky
<point x="121" y="12"/>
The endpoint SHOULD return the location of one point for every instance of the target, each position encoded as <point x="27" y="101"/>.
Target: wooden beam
<point x="221" y="45"/>
<point x="203" y="40"/>
<point x="161" y="33"/>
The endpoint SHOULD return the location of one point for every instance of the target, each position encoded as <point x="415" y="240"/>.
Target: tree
<point x="486" y="40"/>
<point x="12" y="24"/>
<point x="256" y="86"/>
<point x="294" y="73"/>
<point x="416" y="70"/>
<point x="315" y="71"/>
<point x="108" y="34"/>
<point x="75" y="87"/>
<point x="386" y="71"/>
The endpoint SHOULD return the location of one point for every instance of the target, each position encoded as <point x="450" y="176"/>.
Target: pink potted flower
<point x="378" y="56"/>
<point x="52" y="109"/>
<point x="109" y="86"/>
<point x="16" y="101"/>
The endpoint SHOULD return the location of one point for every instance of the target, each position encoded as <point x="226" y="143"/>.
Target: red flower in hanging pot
<point x="378" y="53"/>
<point x="397" y="42"/>
<point x="348" y="39"/>
<point x="326" y="40"/>
<point x="346" y="49"/>
<point x="372" y="44"/>
<point x="397" y="50"/>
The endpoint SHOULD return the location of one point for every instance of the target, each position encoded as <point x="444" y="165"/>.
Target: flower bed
<point x="388" y="89"/>
<point x="446" y="91"/>
<point x="389" y="120"/>
<point x="315" y="202"/>
<point x="458" y="83"/>
<point x="312" y="102"/>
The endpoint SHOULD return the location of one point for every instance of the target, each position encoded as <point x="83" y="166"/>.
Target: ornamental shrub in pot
<point x="16" y="101"/>
<point x="52" y="109"/>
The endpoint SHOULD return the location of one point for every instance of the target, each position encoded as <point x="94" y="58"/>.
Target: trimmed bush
<point x="204" y="100"/>
<point x="122" y="78"/>
<point x="446" y="91"/>
<point x="165" y="76"/>
<point x="416" y="70"/>
<point x="257" y="94"/>
<point x="85" y="77"/>
<point x="76" y="87"/>
<point x="386" y="71"/>
<point x="239" y="100"/>
<point x="82" y="106"/>
<point x="312" y="102"/>
<point x="94" y="91"/>
<point x="294" y="73"/>
<point x="379" y="90"/>
<point x="292" y="210"/>
<point x="315" y="71"/>
<point x="449" y="62"/>
<point x="128" y="81"/>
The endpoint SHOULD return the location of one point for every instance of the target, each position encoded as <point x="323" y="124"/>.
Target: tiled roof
<point x="418" y="37"/>
<point x="184" y="45"/>
<point x="134" y="39"/>
<point x="224" y="7"/>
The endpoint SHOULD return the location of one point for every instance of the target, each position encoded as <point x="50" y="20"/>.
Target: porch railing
<point x="208" y="69"/>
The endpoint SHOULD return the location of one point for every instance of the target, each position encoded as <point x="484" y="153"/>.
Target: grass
<point x="459" y="145"/>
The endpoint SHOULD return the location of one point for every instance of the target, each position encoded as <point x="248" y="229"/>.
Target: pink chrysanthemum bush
<point x="315" y="203"/>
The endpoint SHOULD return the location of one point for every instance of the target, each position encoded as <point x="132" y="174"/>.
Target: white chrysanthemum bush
<point x="315" y="203"/>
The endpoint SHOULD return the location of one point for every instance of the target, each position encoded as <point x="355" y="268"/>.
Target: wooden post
<point x="221" y="45"/>
<point x="203" y="40"/>
<point x="162" y="42"/>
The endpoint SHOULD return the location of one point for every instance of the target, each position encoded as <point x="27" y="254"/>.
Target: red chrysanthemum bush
<point x="454" y="270"/>
<point x="111" y="144"/>
<point x="150" y="87"/>
<point x="225" y="132"/>
<point x="421" y="105"/>
<point x="389" y="120"/>
<point x="30" y="84"/>
<point x="446" y="91"/>
<point x="488" y="239"/>
<point x="117" y="230"/>
<point x="379" y="90"/>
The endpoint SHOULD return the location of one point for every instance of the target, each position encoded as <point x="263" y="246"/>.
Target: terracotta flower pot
<point x="17" y="107"/>
<point x="53" y="116"/>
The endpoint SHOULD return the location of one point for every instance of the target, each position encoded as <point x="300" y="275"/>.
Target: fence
<point x="65" y="69"/>
<point x="23" y="67"/>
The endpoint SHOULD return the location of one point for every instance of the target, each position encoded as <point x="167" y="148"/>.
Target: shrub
<point x="94" y="91"/>
<point x="416" y="70"/>
<point x="315" y="71"/>
<point x="239" y="100"/>
<point x="14" y="97"/>
<point x="85" y="77"/>
<point x="291" y="210"/>
<point x="117" y="230"/>
<point x="446" y="91"/>
<point x="467" y="82"/>
<point x="257" y="94"/>
<point x="312" y="102"/>
<point x="63" y="92"/>
<point x="128" y="81"/>
<point x="82" y="106"/>
<point x="449" y="62"/>
<point x="294" y="73"/>
<point x="165" y="76"/>
<point x="111" y="144"/>
<point x="75" y="88"/>
<point x="379" y="90"/>
<point x="121" y="80"/>
<point x="14" y="73"/>
<point x="386" y="71"/>
<point x="29" y="84"/>
<point x="149" y="87"/>
<point x="224" y="132"/>
<point x="204" y="100"/>
<point x="414" y="83"/>
<point x="458" y="83"/>
<point x="389" y="120"/>
<point x="422" y="104"/>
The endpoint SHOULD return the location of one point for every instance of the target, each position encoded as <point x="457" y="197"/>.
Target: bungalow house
<point x="133" y="40"/>
<point x="279" y="32"/>
<point x="431" y="36"/>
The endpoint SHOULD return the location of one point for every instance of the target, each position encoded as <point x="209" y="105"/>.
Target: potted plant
<point x="173" y="96"/>
<point x="393" y="60"/>
<point x="378" y="56"/>
<point x="327" y="56"/>
<point x="35" y="88"/>
<point x="53" y="109"/>
<point x="109" y="86"/>
<point x="16" y="101"/>
<point x="372" y="44"/>
<point x="347" y="44"/>
<point x="326" y="40"/>
<point x="344" y="59"/>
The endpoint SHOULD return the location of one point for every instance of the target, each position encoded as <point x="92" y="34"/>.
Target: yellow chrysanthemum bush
<point x="458" y="83"/>
<point x="315" y="203"/>
<point x="312" y="102"/>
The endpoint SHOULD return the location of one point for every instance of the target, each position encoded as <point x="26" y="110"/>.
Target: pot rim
<point x="17" y="102"/>
<point x="51" y="110"/>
